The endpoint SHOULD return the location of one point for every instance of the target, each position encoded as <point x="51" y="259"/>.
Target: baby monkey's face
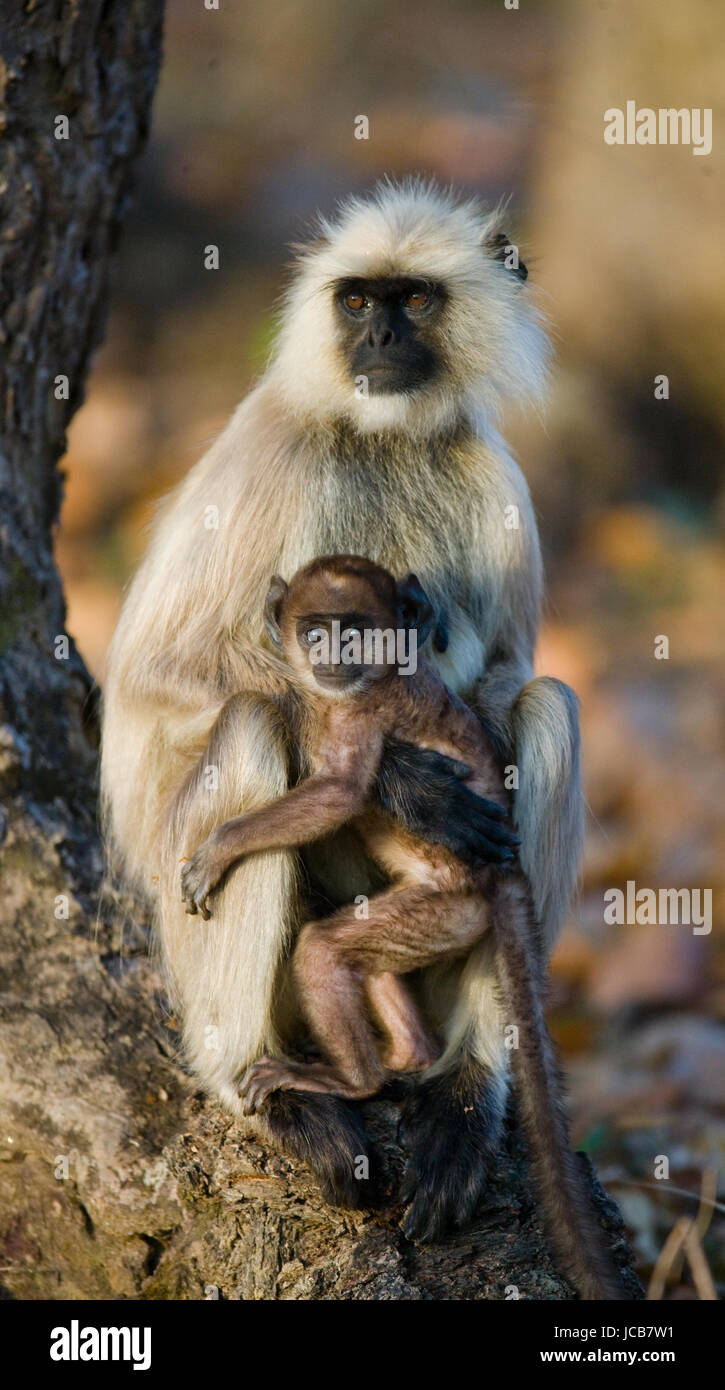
<point x="344" y="623"/>
<point x="345" y="650"/>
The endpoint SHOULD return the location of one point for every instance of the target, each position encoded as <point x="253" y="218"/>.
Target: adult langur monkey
<point x="372" y="431"/>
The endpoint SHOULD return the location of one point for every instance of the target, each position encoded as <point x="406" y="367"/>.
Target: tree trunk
<point x="117" y="1181"/>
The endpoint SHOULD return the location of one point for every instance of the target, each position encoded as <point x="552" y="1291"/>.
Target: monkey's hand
<point x="424" y="791"/>
<point x="201" y="876"/>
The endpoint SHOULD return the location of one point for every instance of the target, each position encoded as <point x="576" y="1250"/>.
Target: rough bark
<point x="116" y="1180"/>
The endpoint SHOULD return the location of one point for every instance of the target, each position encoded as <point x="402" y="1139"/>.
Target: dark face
<point x="388" y="331"/>
<point x="338" y="638"/>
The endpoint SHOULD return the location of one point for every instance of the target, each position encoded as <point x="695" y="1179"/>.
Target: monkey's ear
<point x="272" y="605"/>
<point x="500" y="248"/>
<point x="414" y="606"/>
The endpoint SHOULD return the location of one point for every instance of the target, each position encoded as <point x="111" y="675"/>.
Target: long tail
<point x="573" y="1228"/>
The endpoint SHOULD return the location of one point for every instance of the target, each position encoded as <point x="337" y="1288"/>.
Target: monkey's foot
<point x="279" y="1074"/>
<point x="451" y="1128"/>
<point x="328" y="1135"/>
<point x="199" y="878"/>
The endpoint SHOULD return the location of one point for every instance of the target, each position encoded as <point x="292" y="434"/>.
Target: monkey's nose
<point x="381" y="337"/>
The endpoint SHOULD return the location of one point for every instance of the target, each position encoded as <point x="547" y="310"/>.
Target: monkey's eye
<point x="350" y="634"/>
<point x="356" y="301"/>
<point x="417" y="299"/>
<point x="314" y="634"/>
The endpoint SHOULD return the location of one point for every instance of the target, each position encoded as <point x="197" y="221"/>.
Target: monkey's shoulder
<point x="427" y="709"/>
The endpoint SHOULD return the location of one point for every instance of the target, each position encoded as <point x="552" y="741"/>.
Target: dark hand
<point x="200" y="876"/>
<point x="424" y="791"/>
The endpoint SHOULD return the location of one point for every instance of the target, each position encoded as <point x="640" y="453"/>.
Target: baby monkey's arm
<point x="321" y="804"/>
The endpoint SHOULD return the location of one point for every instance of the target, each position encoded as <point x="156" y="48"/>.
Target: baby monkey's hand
<point x="202" y="875"/>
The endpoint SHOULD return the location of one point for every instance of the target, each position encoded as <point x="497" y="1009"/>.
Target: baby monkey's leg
<point x="407" y="928"/>
<point x="410" y="1047"/>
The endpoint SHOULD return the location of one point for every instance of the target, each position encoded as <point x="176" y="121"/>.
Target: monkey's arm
<point x="315" y="808"/>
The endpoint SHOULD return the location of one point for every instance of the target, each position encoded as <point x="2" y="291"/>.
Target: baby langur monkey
<point x="435" y="910"/>
<point x="347" y="970"/>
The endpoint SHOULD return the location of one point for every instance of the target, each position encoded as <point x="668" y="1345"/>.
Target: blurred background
<point x="254" y="131"/>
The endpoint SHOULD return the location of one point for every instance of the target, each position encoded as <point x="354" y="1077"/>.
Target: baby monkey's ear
<point x="273" y="607"/>
<point x="414" y="607"/>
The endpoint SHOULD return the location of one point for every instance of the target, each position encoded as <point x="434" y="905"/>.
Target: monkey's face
<point x="388" y="332"/>
<point x="333" y="620"/>
<point x="344" y="623"/>
<point x="407" y="313"/>
<point x="342" y="651"/>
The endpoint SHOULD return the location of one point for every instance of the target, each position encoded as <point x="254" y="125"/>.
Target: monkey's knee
<point x="251" y="743"/>
<point x="314" y="957"/>
<point x="548" y="803"/>
<point x="244" y="764"/>
<point x="546" y="720"/>
<point x="546" y="731"/>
